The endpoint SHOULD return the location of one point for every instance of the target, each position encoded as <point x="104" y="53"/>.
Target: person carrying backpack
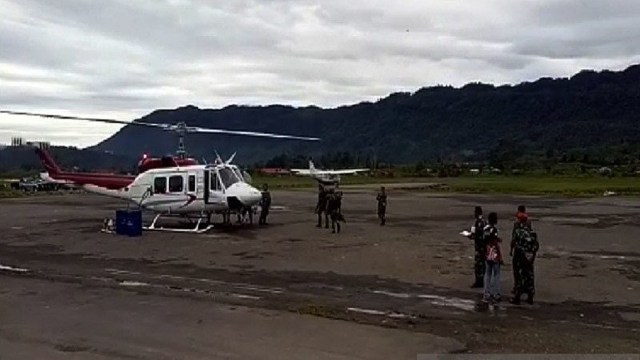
<point x="525" y="251"/>
<point x="493" y="257"/>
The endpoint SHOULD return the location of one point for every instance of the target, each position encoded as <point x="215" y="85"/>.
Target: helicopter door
<point x="207" y="177"/>
<point x="213" y="190"/>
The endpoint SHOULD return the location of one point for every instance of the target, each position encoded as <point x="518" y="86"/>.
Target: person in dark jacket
<point x="382" y="205"/>
<point x="334" y="209"/>
<point x="477" y="235"/>
<point x="521" y="216"/>
<point x="321" y="206"/>
<point x="265" y="204"/>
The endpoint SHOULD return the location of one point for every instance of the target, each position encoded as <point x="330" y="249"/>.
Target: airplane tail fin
<point x="48" y="162"/>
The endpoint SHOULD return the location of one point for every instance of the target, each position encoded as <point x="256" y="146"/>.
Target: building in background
<point x="19" y="141"/>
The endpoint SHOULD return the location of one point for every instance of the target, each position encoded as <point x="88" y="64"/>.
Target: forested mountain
<point x="592" y="117"/>
<point x="590" y="109"/>
<point x="20" y="160"/>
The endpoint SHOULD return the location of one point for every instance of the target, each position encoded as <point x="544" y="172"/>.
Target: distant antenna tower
<point x="41" y="144"/>
<point x="17" y="141"/>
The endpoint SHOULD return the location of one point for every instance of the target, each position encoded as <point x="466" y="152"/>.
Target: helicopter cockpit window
<point x="176" y="183"/>
<point x="247" y="177"/>
<point x="238" y="173"/>
<point x="228" y="177"/>
<point x="160" y="185"/>
<point x="214" y="185"/>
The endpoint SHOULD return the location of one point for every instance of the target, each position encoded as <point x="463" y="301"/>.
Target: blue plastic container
<point x="129" y="222"/>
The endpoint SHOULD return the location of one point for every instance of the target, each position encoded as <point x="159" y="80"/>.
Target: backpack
<point x="493" y="253"/>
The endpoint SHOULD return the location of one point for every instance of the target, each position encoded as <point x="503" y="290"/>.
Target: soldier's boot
<point x="530" y="298"/>
<point x="479" y="283"/>
<point x="516" y="299"/>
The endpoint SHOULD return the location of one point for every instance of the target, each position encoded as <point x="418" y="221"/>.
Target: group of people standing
<point x="489" y="259"/>
<point x="330" y="204"/>
<point x="245" y="215"/>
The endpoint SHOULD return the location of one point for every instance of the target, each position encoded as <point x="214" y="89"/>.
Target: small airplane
<point x="326" y="177"/>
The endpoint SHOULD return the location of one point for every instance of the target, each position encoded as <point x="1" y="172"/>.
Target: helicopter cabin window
<point x="228" y="177"/>
<point x="192" y="183"/>
<point x="160" y="185"/>
<point x="176" y="183"/>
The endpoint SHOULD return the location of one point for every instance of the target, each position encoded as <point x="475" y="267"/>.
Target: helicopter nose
<point x="245" y="193"/>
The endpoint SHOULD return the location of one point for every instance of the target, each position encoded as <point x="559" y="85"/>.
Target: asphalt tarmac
<point x="291" y="290"/>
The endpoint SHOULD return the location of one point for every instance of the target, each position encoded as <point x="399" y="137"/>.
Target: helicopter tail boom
<point x="107" y="181"/>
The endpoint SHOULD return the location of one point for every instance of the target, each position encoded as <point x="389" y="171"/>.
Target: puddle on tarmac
<point x="462" y="304"/>
<point x="571" y="220"/>
<point x="13" y="269"/>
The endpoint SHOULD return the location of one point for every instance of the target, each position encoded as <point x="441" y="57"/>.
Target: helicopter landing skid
<point x="195" y="230"/>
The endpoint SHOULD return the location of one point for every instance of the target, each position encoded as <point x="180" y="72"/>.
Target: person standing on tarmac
<point x="265" y="204"/>
<point x="479" y="244"/>
<point x="526" y="247"/>
<point x="382" y="205"/>
<point x="492" y="292"/>
<point x="334" y="209"/>
<point x="521" y="216"/>
<point x="321" y="206"/>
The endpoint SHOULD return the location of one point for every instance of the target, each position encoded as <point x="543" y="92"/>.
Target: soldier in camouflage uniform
<point x="521" y="215"/>
<point x="480" y="248"/>
<point x="321" y="206"/>
<point x="526" y="247"/>
<point x="265" y="205"/>
<point x="334" y="209"/>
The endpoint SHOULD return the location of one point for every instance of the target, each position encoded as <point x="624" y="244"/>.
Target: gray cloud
<point x="126" y="58"/>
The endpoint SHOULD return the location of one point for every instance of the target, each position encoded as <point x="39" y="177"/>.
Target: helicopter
<point x="189" y="190"/>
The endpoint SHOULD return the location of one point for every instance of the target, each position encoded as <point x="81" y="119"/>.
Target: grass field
<point x="9" y="193"/>
<point x="525" y="185"/>
<point x="529" y="185"/>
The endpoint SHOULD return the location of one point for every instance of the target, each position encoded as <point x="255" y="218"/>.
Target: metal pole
<point x="181" y="130"/>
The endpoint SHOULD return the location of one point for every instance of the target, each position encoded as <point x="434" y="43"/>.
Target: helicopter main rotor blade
<point x="178" y="127"/>
<point x="248" y="133"/>
<point x="65" y="117"/>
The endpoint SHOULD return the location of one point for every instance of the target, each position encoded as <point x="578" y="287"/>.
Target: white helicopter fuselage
<point x="187" y="190"/>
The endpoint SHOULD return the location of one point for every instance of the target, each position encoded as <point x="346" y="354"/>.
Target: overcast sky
<point x="125" y="58"/>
